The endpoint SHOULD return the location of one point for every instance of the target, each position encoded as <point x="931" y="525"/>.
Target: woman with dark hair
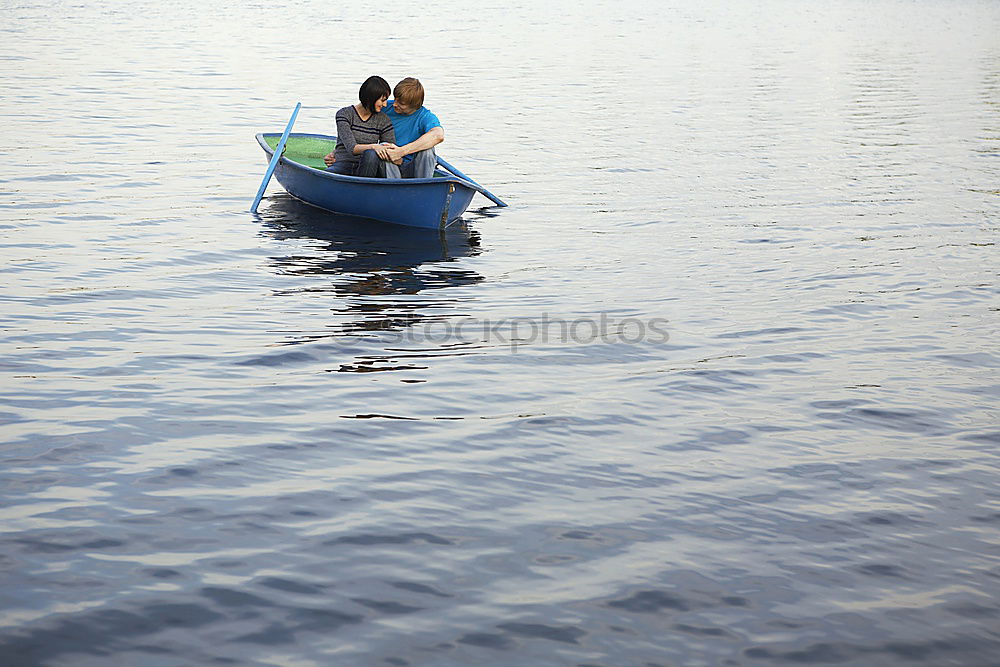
<point x="364" y="135"/>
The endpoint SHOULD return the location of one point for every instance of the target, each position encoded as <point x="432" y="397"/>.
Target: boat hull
<point x="431" y="203"/>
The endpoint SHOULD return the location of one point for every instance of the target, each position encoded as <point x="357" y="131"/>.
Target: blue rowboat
<point x="432" y="203"/>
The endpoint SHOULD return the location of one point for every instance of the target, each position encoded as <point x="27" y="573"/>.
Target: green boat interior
<point x="304" y="150"/>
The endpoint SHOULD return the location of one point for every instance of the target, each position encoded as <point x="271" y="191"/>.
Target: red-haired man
<point x="417" y="129"/>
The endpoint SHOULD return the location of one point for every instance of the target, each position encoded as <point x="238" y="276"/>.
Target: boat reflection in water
<point x="369" y="262"/>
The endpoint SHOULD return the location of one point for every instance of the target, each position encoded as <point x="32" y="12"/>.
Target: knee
<point x="425" y="160"/>
<point x="370" y="156"/>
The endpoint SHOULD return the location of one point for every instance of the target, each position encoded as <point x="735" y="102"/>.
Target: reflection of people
<point x="365" y="135"/>
<point x="417" y="129"/>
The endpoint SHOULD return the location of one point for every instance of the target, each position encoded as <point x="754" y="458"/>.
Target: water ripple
<point x="303" y="438"/>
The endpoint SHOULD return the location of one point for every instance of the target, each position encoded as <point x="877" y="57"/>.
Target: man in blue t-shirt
<point x="417" y="129"/>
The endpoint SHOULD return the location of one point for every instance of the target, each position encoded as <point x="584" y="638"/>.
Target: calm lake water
<point x="718" y="388"/>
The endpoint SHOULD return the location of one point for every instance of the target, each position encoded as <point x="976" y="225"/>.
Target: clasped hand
<point x="385" y="151"/>
<point x="395" y="154"/>
<point x="382" y="150"/>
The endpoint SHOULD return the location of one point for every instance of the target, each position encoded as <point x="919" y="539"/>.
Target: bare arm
<point x="378" y="148"/>
<point x="429" y="139"/>
<point x="382" y="150"/>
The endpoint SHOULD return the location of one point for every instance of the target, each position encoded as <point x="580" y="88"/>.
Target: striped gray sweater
<point x="351" y="131"/>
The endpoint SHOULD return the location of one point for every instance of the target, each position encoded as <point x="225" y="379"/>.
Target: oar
<point x="274" y="159"/>
<point x="486" y="193"/>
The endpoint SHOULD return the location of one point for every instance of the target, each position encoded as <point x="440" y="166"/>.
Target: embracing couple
<point x="383" y="138"/>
